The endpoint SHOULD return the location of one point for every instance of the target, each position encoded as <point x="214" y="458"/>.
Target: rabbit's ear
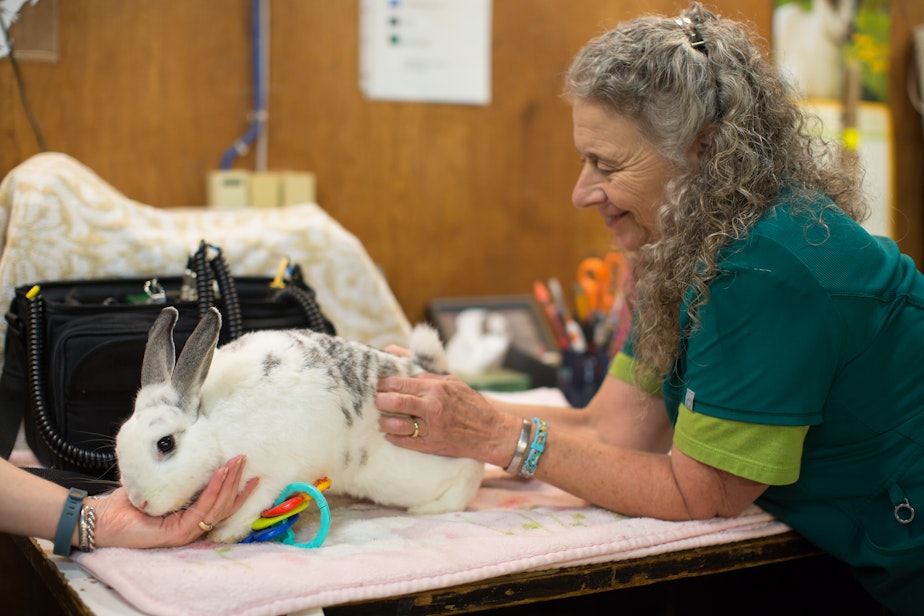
<point x="160" y="352"/>
<point x="193" y="365"/>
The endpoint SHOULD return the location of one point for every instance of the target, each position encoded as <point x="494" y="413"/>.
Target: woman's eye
<point x="593" y="162"/>
<point x="599" y="166"/>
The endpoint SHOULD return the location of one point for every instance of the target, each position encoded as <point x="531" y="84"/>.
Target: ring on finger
<point x="416" y="431"/>
<point x="205" y="526"/>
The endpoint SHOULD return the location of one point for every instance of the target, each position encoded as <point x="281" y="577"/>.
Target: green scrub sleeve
<point x="759" y="452"/>
<point x="623" y="367"/>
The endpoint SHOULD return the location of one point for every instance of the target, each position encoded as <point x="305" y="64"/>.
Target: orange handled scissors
<point x="601" y="280"/>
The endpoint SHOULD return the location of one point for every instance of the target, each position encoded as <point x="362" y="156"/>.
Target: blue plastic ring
<point x="323" y="508"/>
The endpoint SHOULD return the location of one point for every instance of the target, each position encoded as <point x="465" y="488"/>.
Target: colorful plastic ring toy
<point x="323" y="508"/>
<point x="285" y="507"/>
<point x="262" y="522"/>
<point x="268" y="534"/>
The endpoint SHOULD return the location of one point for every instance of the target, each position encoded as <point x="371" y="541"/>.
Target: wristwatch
<point x="68" y="521"/>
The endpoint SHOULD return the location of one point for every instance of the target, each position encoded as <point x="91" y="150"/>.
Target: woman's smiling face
<point x="622" y="175"/>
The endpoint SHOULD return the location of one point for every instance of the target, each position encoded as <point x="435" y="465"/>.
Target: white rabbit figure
<point x="298" y="403"/>
<point x="480" y="341"/>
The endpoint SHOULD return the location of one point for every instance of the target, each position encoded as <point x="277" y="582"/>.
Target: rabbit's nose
<point x="134" y="498"/>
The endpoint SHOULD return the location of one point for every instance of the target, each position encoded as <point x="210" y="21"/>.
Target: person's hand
<point x="119" y="523"/>
<point x="400" y="351"/>
<point x="442" y="415"/>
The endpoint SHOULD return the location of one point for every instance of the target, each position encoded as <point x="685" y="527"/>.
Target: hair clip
<point x="696" y="40"/>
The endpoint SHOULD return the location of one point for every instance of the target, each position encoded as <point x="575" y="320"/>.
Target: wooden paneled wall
<point x="450" y="200"/>
<point x="907" y="131"/>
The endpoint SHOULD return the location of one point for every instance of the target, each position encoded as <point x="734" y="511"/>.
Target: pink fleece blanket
<point x="374" y="552"/>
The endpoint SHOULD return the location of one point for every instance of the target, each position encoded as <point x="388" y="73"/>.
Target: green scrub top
<point x="815" y="329"/>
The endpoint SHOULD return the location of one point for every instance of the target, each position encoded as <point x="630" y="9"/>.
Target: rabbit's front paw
<point x="235" y="528"/>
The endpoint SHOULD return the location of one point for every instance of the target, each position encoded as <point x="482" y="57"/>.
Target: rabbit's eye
<point x="166" y="444"/>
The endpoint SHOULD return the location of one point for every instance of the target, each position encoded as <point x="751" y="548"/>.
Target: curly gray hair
<point x="681" y="79"/>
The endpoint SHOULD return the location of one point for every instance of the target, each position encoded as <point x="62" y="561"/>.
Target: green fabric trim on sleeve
<point x="764" y="453"/>
<point x="623" y="368"/>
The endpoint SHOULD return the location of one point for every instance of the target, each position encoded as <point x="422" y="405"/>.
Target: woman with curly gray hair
<point x="773" y="357"/>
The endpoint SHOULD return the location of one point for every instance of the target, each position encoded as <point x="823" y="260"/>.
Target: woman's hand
<point x="119" y="523"/>
<point x="442" y="415"/>
<point x="400" y="351"/>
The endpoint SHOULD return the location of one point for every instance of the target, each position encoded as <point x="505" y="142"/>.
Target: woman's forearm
<point x="619" y="414"/>
<point x="31" y="506"/>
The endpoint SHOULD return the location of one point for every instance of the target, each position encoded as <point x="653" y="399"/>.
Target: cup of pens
<point x="587" y="335"/>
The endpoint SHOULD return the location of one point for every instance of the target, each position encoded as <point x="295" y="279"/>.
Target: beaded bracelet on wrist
<point x="536" y="449"/>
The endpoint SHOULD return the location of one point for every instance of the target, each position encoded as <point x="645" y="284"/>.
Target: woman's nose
<point x="586" y="192"/>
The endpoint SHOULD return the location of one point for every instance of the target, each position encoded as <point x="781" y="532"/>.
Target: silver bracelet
<point x="86" y="531"/>
<point x="522" y="445"/>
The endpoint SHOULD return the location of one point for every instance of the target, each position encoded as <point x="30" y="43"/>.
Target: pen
<point x="574" y="332"/>
<point x="606" y="326"/>
<point x="558" y="297"/>
<point x="575" y="335"/>
<point x="581" y="307"/>
<point x="545" y="300"/>
<point x="279" y="281"/>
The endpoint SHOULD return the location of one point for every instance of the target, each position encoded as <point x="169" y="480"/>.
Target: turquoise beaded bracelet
<point x="536" y="449"/>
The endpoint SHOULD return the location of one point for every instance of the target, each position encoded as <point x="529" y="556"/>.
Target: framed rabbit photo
<point x="516" y="317"/>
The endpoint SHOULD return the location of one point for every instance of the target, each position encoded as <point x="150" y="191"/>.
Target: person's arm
<point x="454" y="420"/>
<point x="638" y="483"/>
<point x="29" y="505"/>
<point x="619" y="414"/>
<point x="32" y="506"/>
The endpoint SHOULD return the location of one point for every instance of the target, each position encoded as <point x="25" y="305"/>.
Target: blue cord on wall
<point x="258" y="121"/>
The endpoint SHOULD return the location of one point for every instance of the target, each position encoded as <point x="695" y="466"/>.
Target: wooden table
<point x="557" y="584"/>
<point x="50" y="586"/>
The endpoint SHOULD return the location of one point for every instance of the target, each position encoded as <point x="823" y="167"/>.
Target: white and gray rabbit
<point x="298" y="403"/>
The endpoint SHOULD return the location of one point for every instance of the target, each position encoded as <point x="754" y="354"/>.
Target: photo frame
<point x="530" y="331"/>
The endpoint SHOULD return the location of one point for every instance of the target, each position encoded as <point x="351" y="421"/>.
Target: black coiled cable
<point x="217" y="269"/>
<point x="198" y="263"/>
<point x="305" y="300"/>
<point x="229" y="297"/>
